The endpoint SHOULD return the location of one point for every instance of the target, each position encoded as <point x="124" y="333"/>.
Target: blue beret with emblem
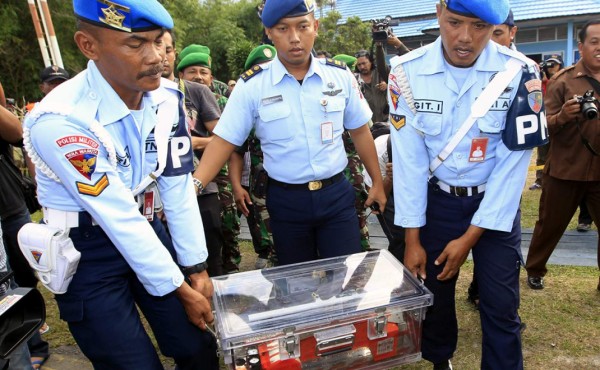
<point x="274" y="10"/>
<point x="490" y="11"/>
<point x="124" y="15"/>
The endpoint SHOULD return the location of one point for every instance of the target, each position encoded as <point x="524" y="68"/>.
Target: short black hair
<point x="583" y="31"/>
<point x="325" y="53"/>
<point x="172" y="33"/>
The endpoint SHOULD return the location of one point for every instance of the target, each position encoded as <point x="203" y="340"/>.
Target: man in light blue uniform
<point x="95" y="140"/>
<point x="471" y="201"/>
<point x="299" y="106"/>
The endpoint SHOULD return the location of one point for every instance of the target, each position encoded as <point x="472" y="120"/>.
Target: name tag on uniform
<point x="478" y="149"/>
<point x="148" y="210"/>
<point x="327" y="132"/>
<point x="272" y="99"/>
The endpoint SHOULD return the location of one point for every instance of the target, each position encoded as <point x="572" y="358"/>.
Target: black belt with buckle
<point x="311" y="185"/>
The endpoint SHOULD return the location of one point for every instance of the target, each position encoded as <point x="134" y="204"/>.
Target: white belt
<point x="62" y="219"/>
<point x="461" y="191"/>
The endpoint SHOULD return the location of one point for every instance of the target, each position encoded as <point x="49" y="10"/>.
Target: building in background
<point x="545" y="27"/>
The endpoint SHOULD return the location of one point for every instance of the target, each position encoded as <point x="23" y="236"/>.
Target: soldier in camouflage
<point x="354" y="174"/>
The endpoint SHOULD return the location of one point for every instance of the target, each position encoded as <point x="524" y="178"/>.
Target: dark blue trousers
<point x="308" y="225"/>
<point x="100" y="308"/>
<point x="497" y="258"/>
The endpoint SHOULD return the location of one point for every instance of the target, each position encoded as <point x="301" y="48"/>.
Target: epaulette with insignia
<point x="562" y="71"/>
<point x="335" y="63"/>
<point x="251" y="73"/>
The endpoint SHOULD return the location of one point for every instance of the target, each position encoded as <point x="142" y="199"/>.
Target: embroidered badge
<point x="93" y="190"/>
<point x="84" y="161"/>
<point x="355" y="87"/>
<point x="535" y="100"/>
<point x="113" y="16"/>
<point x="533" y="85"/>
<point x="77" y="139"/>
<point x="124" y="160"/>
<point x="37" y="255"/>
<point x="397" y="121"/>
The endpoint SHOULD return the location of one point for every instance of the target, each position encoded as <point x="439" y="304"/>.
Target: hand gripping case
<point x="362" y="311"/>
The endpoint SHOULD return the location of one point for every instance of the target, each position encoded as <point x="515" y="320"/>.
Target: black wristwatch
<point x="187" y="271"/>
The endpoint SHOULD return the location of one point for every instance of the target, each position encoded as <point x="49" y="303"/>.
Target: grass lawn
<point x="563" y="320"/>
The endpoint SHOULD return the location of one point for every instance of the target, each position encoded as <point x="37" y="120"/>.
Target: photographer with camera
<point x="372" y="74"/>
<point x="572" y="170"/>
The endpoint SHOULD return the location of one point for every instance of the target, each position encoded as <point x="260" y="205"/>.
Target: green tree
<point x="345" y="38"/>
<point x="20" y="57"/>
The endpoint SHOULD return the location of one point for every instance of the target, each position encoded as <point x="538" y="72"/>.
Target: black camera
<point x="381" y="28"/>
<point x="588" y="104"/>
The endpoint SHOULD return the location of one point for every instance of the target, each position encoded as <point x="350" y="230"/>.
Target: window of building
<point x="526" y="35"/>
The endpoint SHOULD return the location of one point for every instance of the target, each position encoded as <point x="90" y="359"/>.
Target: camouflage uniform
<point x="219" y="87"/>
<point x="354" y="174"/>
<point x="263" y="246"/>
<point x="230" y="221"/>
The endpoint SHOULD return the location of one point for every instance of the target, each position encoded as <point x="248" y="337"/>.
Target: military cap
<point x="274" y="10"/>
<point x="195" y="59"/>
<point x="510" y="20"/>
<point x="54" y="73"/>
<point x="490" y="11"/>
<point x="124" y="15"/>
<point x="193" y="48"/>
<point x="260" y="54"/>
<point x="556" y="58"/>
<point x="348" y="59"/>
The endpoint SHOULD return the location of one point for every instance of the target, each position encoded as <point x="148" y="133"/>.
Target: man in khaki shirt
<point x="572" y="170"/>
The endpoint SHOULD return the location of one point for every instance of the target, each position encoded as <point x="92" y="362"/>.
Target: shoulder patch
<point x="95" y="189"/>
<point x="335" y="63"/>
<point x="251" y="73"/>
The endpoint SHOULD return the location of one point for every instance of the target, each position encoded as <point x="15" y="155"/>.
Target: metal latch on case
<point x="291" y="342"/>
<point x="377" y="327"/>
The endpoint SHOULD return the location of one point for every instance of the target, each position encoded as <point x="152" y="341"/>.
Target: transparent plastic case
<point x="359" y="311"/>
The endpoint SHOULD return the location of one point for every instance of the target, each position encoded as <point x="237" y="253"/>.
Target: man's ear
<point x="268" y="33"/>
<point x="88" y="44"/>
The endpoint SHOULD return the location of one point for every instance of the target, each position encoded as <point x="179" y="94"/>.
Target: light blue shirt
<point x="60" y="134"/>
<point x="289" y="118"/>
<point x="441" y="109"/>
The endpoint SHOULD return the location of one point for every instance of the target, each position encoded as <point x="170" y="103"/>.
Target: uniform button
<point x="461" y="176"/>
<point x="405" y="222"/>
<point x="177" y="280"/>
<point x="458" y="103"/>
<point x="459" y="156"/>
<point x="92" y="95"/>
<point x="496" y="124"/>
<point x="476" y="220"/>
<point x="86" y="234"/>
<point x="420" y="124"/>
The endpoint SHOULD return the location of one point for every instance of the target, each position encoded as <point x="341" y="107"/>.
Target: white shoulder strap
<point x="165" y="115"/>
<point x="480" y="108"/>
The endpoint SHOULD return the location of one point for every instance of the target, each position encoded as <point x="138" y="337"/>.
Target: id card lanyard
<point x="326" y="126"/>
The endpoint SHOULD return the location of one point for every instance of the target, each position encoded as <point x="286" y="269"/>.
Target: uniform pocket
<point x="491" y="123"/>
<point x="273" y="124"/>
<point x="334" y="111"/>
<point x="429" y="124"/>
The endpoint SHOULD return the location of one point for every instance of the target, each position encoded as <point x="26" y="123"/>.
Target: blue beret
<point x="274" y="10"/>
<point x="490" y="11"/>
<point x="124" y="15"/>
<point x="510" y="20"/>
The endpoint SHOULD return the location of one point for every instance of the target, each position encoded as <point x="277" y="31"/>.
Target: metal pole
<point x="54" y="49"/>
<point x="39" y="33"/>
